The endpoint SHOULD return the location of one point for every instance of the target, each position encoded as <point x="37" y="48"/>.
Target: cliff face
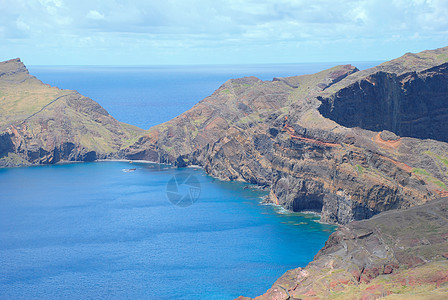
<point x="40" y="124"/>
<point x="397" y="253"/>
<point x="350" y="144"/>
<point x="412" y="104"/>
<point x="341" y="141"/>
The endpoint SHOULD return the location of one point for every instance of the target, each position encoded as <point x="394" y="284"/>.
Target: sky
<point x="175" y="32"/>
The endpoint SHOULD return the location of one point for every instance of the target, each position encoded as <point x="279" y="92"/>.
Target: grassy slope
<point x="50" y="116"/>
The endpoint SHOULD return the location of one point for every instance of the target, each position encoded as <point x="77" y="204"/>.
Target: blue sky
<point x="113" y="32"/>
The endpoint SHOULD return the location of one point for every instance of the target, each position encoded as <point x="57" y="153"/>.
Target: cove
<point x="90" y="230"/>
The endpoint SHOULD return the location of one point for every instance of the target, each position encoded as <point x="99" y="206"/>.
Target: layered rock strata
<point x="344" y="142"/>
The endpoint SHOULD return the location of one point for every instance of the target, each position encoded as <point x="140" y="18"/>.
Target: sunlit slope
<point x="45" y="124"/>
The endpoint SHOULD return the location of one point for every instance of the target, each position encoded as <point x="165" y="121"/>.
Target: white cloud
<point x="51" y="6"/>
<point x="22" y="25"/>
<point x="95" y="15"/>
<point x="300" y="26"/>
<point x="359" y="15"/>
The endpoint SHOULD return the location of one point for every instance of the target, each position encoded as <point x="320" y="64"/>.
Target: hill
<point x="40" y="124"/>
<point x="347" y="143"/>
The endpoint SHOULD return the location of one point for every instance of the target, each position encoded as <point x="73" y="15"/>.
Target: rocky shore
<point x="348" y="143"/>
<point x="399" y="253"/>
<point x="351" y="144"/>
<point x="40" y="124"/>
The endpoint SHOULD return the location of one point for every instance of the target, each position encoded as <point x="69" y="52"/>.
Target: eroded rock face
<point x="293" y="136"/>
<point x="344" y="142"/>
<point x="413" y="104"/>
<point x="40" y="124"/>
<point x="6" y="145"/>
<point x="397" y="252"/>
<point x="333" y="141"/>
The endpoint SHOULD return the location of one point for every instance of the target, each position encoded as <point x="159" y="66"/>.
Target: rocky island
<point x="350" y="144"/>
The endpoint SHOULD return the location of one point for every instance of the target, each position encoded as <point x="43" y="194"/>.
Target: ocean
<point x="99" y="230"/>
<point x="145" y="96"/>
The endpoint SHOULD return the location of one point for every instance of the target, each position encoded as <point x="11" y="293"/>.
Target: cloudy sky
<point x="148" y="32"/>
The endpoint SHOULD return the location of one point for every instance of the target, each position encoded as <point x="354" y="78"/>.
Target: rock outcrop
<point x="40" y="124"/>
<point x="347" y="143"/>
<point x="411" y="104"/>
<point x="402" y="254"/>
<point x="350" y="144"/>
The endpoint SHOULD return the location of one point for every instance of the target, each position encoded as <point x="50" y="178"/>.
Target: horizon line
<point x="209" y="64"/>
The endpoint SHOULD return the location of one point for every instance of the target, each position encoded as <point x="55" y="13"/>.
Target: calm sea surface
<point x="90" y="230"/>
<point x="149" y="95"/>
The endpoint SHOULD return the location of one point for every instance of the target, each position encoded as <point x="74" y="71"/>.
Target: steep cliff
<point x="402" y="254"/>
<point x="407" y="102"/>
<point x="347" y="143"/>
<point x="40" y="124"/>
<point x="343" y="142"/>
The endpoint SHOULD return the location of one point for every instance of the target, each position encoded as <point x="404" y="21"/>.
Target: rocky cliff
<point x="350" y="144"/>
<point x="40" y="124"/>
<point x="344" y="142"/>
<point x="402" y="254"/>
<point x="347" y="143"/>
<point x="406" y="96"/>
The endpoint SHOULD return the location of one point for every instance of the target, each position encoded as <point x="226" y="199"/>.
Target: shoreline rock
<point x="399" y="252"/>
<point x="284" y="134"/>
<point x="352" y="144"/>
<point x="40" y="124"/>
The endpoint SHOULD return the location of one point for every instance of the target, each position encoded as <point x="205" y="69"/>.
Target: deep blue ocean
<point x="93" y="231"/>
<point x="149" y="95"/>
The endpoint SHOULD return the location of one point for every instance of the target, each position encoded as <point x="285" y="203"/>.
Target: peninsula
<point x="349" y="144"/>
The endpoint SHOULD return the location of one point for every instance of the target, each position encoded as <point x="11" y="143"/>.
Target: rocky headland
<point x="347" y="143"/>
<point x="40" y="124"/>
<point x="350" y="144"/>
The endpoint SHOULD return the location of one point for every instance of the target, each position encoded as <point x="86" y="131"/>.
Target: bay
<point x="90" y="231"/>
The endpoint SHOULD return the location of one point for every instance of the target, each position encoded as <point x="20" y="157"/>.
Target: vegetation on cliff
<point x="41" y="124"/>
<point x="339" y="141"/>
<point x="350" y="144"/>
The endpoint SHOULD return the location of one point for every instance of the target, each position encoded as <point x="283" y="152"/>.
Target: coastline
<point x="130" y="161"/>
<point x="263" y="199"/>
<point x="309" y="167"/>
<point x="403" y="255"/>
<point x="226" y="216"/>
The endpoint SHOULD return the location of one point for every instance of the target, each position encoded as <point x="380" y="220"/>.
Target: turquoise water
<point x="90" y="230"/>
